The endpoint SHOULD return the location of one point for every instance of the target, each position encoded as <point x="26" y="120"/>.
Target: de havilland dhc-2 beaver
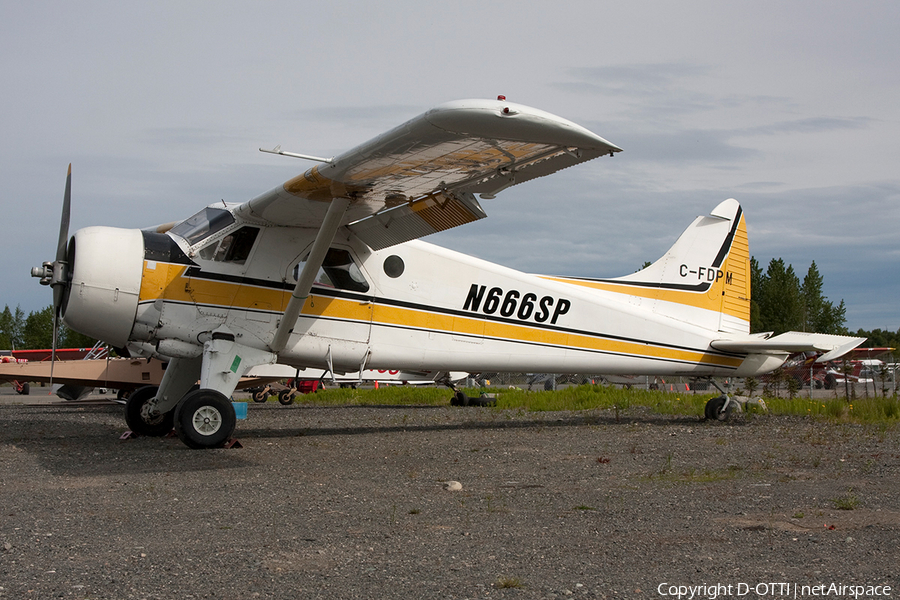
<point x="326" y="271"/>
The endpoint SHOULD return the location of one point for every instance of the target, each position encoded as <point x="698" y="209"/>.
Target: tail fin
<point x="708" y="268"/>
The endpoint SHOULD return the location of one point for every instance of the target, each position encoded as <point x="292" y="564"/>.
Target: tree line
<point x="781" y="302"/>
<point x="18" y="332"/>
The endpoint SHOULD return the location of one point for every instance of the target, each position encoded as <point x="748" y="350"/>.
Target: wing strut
<point x="326" y="234"/>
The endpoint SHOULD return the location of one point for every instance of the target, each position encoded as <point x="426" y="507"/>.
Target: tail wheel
<point x="204" y="419"/>
<point x="155" y="427"/>
<point x="714" y="409"/>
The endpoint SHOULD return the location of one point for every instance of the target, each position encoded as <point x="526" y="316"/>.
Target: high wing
<point x="421" y="177"/>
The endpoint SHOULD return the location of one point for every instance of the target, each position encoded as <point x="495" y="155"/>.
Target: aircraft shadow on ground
<point x="69" y="446"/>
<point x="480" y="420"/>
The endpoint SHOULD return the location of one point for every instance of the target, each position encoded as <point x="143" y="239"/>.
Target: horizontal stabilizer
<point x="833" y="346"/>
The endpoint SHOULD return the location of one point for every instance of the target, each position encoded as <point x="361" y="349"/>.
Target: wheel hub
<point x="207" y="420"/>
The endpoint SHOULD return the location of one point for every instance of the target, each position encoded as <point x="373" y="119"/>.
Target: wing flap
<point x="416" y="219"/>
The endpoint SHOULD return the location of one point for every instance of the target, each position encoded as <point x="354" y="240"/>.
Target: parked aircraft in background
<point x="307" y="381"/>
<point x="75" y="379"/>
<point x="860" y="365"/>
<point x="325" y="271"/>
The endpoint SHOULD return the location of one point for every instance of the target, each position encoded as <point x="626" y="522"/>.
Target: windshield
<point x="203" y="224"/>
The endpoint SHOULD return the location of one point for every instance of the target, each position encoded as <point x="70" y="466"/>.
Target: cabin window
<point x="393" y="266"/>
<point x="338" y="271"/>
<point x="202" y="225"/>
<point x="233" y="248"/>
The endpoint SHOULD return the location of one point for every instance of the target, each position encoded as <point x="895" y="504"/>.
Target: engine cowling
<point x="106" y="267"/>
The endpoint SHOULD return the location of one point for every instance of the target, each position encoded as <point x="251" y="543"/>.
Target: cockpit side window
<point x="202" y="225"/>
<point x="233" y="248"/>
<point x="338" y="270"/>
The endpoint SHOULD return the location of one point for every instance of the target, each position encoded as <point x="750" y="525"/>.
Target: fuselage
<point x="413" y="306"/>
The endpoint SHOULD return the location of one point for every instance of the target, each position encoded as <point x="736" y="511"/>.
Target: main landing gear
<point x="201" y="415"/>
<point x="202" y="419"/>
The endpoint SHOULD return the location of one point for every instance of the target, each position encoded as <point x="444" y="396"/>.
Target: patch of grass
<point x="394" y="395"/>
<point x="848" y="501"/>
<point x="884" y="412"/>
<point x="699" y="475"/>
<point x="509" y="583"/>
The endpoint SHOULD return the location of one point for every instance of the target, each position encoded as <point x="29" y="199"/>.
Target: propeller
<point x="56" y="273"/>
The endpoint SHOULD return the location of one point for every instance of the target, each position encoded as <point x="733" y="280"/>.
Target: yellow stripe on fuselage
<point x="169" y="282"/>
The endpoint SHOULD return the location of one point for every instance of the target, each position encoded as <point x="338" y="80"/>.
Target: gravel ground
<point x="351" y="502"/>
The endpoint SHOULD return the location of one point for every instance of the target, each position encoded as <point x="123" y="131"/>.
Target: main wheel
<point x="713" y="410"/>
<point x="830" y="381"/>
<point x="260" y="396"/>
<point x="286" y="397"/>
<point x="156" y="427"/>
<point x="204" y="419"/>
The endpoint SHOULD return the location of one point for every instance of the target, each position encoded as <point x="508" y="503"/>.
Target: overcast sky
<point x="792" y="108"/>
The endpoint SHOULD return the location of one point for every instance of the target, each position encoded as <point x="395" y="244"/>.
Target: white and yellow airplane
<point x="326" y="271"/>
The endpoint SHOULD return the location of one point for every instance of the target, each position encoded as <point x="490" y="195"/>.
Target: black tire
<point x="123" y="395"/>
<point x="714" y="412"/>
<point x="830" y="381"/>
<point x="286" y="397"/>
<point x="157" y="427"/>
<point x="260" y="396"/>
<point x="204" y="419"/>
<point x="459" y="399"/>
<point x="25" y="390"/>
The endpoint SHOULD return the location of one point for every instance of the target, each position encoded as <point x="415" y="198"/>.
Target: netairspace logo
<point x="771" y="590"/>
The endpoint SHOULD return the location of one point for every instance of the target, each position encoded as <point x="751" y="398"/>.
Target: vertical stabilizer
<point x="704" y="278"/>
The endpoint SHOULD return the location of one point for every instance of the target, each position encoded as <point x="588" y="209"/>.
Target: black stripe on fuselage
<point x="196" y="272"/>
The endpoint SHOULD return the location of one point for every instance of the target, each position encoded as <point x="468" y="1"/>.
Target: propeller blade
<point x="60" y="271"/>
<point x="53" y="345"/>
<point x="64" y="221"/>
<point x="59" y="267"/>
